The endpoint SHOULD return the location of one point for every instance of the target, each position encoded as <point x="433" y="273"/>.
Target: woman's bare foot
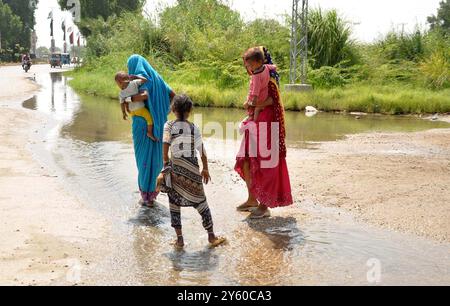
<point x="260" y="213"/>
<point x="248" y="206"/>
<point x="150" y="204"/>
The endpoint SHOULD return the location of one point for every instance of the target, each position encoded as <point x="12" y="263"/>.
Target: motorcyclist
<point x="26" y="60"/>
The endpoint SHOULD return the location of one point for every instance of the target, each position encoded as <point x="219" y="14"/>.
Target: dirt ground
<point x="396" y="181"/>
<point x="48" y="235"/>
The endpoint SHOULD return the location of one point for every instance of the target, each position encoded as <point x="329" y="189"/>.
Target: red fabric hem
<point x="264" y="197"/>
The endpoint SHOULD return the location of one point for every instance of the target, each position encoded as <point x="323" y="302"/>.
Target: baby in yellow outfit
<point x="129" y="86"/>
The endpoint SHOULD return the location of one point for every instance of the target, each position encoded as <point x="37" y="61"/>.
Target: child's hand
<point x="206" y="176"/>
<point x="160" y="180"/>
<point x="246" y="105"/>
<point x="125" y="116"/>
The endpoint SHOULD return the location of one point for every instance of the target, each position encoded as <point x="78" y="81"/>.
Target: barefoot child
<point x="181" y="178"/>
<point x="129" y="86"/>
<point x="260" y="72"/>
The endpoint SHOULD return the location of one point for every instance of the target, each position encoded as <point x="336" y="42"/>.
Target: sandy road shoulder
<point x="49" y="236"/>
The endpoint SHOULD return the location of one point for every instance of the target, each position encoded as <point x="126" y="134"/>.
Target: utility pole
<point x="299" y="47"/>
<point x="403" y="28"/>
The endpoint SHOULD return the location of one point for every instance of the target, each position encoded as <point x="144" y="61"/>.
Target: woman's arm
<point x="138" y="77"/>
<point x="268" y="102"/>
<point x="141" y="97"/>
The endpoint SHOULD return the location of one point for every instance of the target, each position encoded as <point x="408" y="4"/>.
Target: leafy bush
<point x="402" y="46"/>
<point x="436" y="70"/>
<point x="327" y="77"/>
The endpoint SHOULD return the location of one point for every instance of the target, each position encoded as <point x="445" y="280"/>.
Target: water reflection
<point x="200" y="261"/>
<point x="55" y="98"/>
<point x="151" y="217"/>
<point x="31" y="103"/>
<point x="283" y="232"/>
<point x="100" y="120"/>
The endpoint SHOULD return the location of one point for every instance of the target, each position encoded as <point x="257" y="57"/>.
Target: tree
<point x="94" y="9"/>
<point x="442" y="19"/>
<point x="10" y="26"/>
<point x="42" y="52"/>
<point x="24" y="9"/>
<point x="202" y="29"/>
<point x="273" y="35"/>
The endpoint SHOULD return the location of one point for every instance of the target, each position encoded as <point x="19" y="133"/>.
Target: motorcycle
<point x="26" y="65"/>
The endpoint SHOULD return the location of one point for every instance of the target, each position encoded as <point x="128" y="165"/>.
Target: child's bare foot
<point x="150" y="134"/>
<point x="179" y="243"/>
<point x="215" y="242"/>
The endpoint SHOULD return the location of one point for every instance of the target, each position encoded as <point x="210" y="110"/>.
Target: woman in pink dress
<point x="266" y="175"/>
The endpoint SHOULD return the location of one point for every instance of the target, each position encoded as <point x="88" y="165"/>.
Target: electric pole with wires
<point x="298" y="74"/>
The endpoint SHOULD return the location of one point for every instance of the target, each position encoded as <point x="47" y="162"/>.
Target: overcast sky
<point x="371" y="18"/>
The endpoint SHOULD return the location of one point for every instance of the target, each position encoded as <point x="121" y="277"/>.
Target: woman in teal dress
<point x="157" y="96"/>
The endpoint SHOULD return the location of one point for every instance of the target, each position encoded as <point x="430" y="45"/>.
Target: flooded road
<point x="89" y="146"/>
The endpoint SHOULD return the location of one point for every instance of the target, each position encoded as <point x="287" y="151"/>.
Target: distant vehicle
<point x="26" y="62"/>
<point x="26" y="65"/>
<point x="65" y="58"/>
<point x="56" y="60"/>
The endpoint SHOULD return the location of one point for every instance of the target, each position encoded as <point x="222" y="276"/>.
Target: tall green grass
<point x="385" y="99"/>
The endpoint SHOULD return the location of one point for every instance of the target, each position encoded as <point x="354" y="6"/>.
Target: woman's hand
<point x="268" y="102"/>
<point x="141" y="97"/>
<point x="246" y="105"/>
<point x="206" y="176"/>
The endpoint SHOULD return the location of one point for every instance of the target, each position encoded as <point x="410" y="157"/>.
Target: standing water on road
<point x="90" y="147"/>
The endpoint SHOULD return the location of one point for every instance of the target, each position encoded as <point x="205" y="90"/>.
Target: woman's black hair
<point x="181" y="106"/>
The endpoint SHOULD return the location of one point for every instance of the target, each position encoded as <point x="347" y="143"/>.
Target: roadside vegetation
<point x="197" y="46"/>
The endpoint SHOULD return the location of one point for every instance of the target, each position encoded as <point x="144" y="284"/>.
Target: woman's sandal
<point x="147" y="204"/>
<point x="255" y="216"/>
<point x="219" y="241"/>
<point x="246" y="208"/>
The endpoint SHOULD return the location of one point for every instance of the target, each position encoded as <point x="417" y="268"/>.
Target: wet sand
<point x="48" y="236"/>
<point x="394" y="180"/>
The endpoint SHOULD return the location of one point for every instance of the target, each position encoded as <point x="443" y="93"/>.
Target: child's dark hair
<point x="254" y="54"/>
<point x="182" y="105"/>
<point x="121" y="75"/>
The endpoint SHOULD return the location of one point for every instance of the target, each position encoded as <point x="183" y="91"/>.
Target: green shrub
<point x="402" y="46"/>
<point x="327" y="77"/>
<point x="436" y="70"/>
